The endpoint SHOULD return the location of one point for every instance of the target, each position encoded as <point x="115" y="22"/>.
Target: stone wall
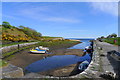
<point x="94" y="68"/>
<point x="6" y="49"/>
<point x="12" y="71"/>
<point x="92" y="71"/>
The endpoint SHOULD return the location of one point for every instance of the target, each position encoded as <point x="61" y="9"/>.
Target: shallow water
<point x="60" y="60"/>
<point x="55" y="62"/>
<point x="85" y="42"/>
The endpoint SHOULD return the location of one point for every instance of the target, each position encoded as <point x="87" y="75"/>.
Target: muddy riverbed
<point x="62" y="71"/>
<point x="24" y="58"/>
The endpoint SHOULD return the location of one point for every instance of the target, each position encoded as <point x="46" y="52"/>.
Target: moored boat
<point x="83" y="65"/>
<point x="43" y="48"/>
<point x="38" y="51"/>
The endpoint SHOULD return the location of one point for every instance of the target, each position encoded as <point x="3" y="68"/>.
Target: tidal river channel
<point x="59" y="60"/>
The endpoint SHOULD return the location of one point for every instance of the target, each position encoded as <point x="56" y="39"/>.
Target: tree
<point x="109" y="36"/>
<point x="114" y="35"/>
<point x="30" y="32"/>
<point x="102" y="37"/>
<point x="21" y="27"/>
<point x="6" y="24"/>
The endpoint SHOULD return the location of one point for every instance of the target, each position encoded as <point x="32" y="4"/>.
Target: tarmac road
<point x="108" y="62"/>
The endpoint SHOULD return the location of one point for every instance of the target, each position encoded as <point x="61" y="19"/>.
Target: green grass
<point x="49" y="37"/>
<point x="111" y="40"/>
<point x="15" y="51"/>
<point x="57" y="43"/>
<point x="46" y="44"/>
<point x="3" y="28"/>
<point x="3" y="63"/>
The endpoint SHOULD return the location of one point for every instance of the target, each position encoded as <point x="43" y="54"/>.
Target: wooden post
<point x="18" y="46"/>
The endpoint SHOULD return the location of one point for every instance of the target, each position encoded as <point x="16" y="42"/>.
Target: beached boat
<point x="38" y="51"/>
<point x="83" y="65"/>
<point x="43" y="48"/>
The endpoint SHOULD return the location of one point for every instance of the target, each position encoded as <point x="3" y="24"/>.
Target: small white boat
<point x="43" y="48"/>
<point x="38" y="51"/>
<point x="83" y="65"/>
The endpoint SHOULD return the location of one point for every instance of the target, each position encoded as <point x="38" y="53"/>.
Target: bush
<point x="6" y="24"/>
<point x="111" y="40"/>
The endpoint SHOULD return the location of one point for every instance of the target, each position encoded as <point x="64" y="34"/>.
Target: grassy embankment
<point x="3" y="63"/>
<point x="111" y="40"/>
<point x="15" y="36"/>
<point x="44" y="38"/>
<point x="52" y="45"/>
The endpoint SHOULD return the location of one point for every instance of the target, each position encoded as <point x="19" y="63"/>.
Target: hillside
<point x="10" y="34"/>
<point x="14" y="35"/>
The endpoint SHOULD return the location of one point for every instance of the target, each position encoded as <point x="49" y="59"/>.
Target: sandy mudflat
<point x="24" y="58"/>
<point x="62" y="71"/>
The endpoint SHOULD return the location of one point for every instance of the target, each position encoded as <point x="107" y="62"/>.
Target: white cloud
<point x="107" y="7"/>
<point x="7" y="16"/>
<point x="78" y="30"/>
<point x="61" y="19"/>
<point x="41" y="13"/>
<point x="34" y="10"/>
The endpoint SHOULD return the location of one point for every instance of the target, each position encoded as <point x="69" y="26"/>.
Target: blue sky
<point x="64" y="19"/>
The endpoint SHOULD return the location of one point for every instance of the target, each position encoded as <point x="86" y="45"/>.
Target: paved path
<point x="107" y="47"/>
<point x="108" y="62"/>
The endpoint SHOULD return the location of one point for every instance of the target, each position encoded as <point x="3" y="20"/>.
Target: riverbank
<point x="24" y="57"/>
<point x="65" y="71"/>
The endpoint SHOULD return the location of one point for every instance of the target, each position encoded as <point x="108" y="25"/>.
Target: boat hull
<point x="35" y="51"/>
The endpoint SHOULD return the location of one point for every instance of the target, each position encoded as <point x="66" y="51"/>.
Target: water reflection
<point x="55" y="62"/>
